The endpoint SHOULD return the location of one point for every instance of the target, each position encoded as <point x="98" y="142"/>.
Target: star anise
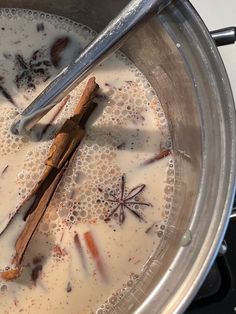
<point x="126" y="201"/>
<point x="31" y="70"/>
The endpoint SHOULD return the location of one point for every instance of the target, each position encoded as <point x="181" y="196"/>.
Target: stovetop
<point x="218" y="292"/>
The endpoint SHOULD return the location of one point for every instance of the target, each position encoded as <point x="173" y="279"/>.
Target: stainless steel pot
<point x="176" y="53"/>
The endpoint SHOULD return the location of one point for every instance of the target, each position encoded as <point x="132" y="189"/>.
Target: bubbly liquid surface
<point x="128" y="129"/>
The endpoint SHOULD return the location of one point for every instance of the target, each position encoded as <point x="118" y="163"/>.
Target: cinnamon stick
<point x="60" y="154"/>
<point x="93" y="249"/>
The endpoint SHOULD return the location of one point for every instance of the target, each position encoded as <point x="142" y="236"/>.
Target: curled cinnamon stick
<point x="60" y="154"/>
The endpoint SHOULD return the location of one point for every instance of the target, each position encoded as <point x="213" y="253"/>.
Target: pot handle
<point x="224" y="36"/>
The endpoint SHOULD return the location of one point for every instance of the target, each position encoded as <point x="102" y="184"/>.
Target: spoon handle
<point x="109" y="40"/>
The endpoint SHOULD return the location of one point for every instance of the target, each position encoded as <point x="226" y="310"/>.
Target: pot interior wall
<point x="157" y="56"/>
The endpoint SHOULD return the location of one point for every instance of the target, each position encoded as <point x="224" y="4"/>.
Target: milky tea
<point x="110" y="210"/>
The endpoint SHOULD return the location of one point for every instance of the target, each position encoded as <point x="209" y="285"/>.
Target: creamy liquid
<point x="127" y="129"/>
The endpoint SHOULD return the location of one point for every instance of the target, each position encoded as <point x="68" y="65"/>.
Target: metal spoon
<point x="109" y="40"/>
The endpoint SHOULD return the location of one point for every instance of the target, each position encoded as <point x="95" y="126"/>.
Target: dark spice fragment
<point x="3" y="288"/>
<point x="4" y="170"/>
<point x="37" y="259"/>
<point x="157" y="157"/>
<point x="30" y="70"/>
<point x="36" y="272"/>
<point x="121" y="146"/>
<point x="35" y="55"/>
<point x="149" y="229"/>
<point x="40" y="71"/>
<point x="6" y="55"/>
<point x="107" y="219"/>
<point x="57" y="48"/>
<point x="68" y="287"/>
<point x="46" y="78"/>
<point x="6" y="94"/>
<point x="40" y="27"/>
<point x="21" y="62"/>
<point x="47" y="63"/>
<point x="80" y="250"/>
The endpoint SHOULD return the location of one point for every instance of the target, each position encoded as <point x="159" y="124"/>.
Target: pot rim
<point x="179" y="300"/>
